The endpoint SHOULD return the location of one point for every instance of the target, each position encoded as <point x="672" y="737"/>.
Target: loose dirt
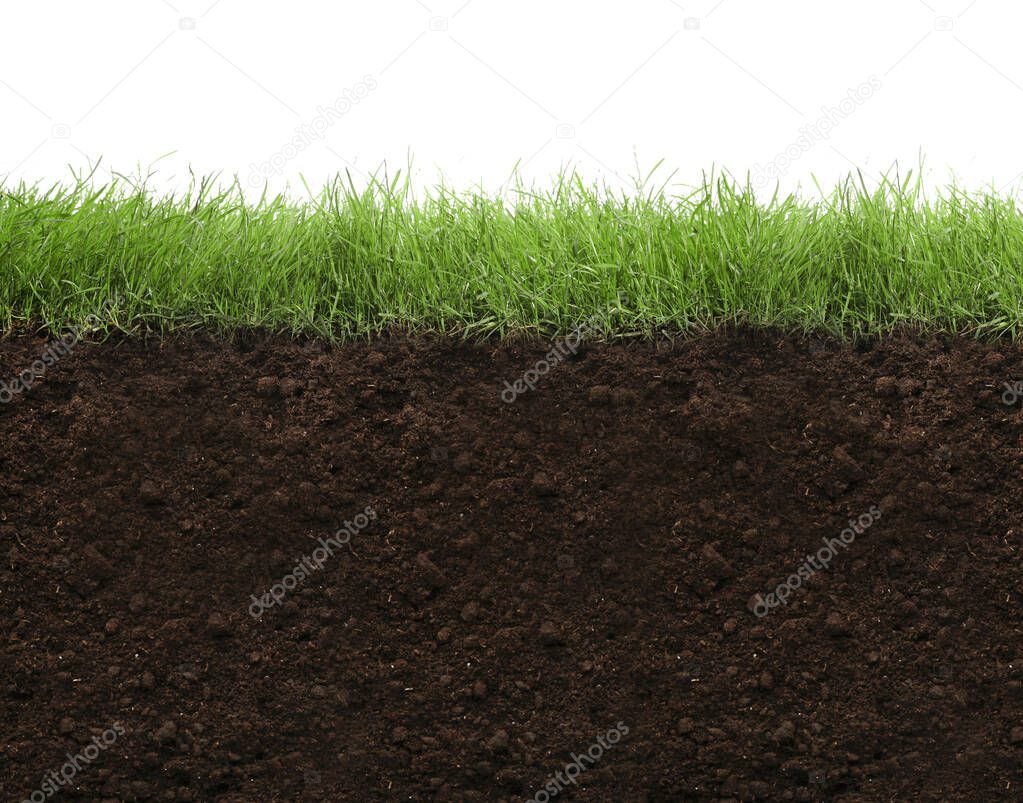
<point x="537" y="574"/>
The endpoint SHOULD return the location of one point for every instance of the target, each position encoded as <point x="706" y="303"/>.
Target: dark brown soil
<point x="538" y="574"/>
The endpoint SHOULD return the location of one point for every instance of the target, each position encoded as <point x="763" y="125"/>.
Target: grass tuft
<point x="355" y="262"/>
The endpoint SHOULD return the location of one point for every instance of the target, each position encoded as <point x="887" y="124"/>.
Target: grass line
<point x="352" y="263"/>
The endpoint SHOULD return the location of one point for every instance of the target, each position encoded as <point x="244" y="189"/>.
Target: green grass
<point x="351" y="262"/>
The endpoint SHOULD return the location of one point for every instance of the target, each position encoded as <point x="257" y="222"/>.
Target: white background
<point x="468" y="89"/>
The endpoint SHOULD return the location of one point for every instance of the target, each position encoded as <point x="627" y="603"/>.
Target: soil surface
<point x="567" y="579"/>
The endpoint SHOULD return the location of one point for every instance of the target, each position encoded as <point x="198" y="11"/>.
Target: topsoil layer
<point x="567" y="579"/>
